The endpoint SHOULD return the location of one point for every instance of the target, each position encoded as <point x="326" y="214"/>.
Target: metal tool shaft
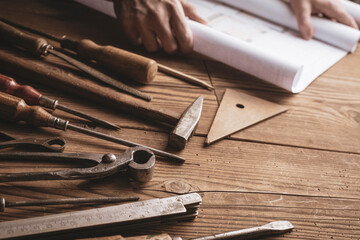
<point x="123" y="142"/>
<point x="86" y="116"/>
<point x="267" y="229"/>
<point x="40" y="47"/>
<point x="118" y="218"/>
<point x="33" y="97"/>
<point x="4" y="204"/>
<point x="68" y="43"/>
<point x="100" y="76"/>
<point x="15" y="110"/>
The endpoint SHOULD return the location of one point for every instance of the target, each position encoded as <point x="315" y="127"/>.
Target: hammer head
<point x="186" y="125"/>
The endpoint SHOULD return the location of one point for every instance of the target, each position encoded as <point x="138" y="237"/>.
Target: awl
<point x="32" y="97"/>
<point x="40" y="47"/>
<point x="15" y="109"/>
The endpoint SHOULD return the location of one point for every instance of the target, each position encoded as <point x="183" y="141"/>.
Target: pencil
<point x="184" y="76"/>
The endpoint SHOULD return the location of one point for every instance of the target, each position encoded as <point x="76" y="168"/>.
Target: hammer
<point x="183" y="124"/>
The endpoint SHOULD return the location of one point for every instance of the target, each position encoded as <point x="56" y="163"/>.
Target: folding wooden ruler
<point x="97" y="221"/>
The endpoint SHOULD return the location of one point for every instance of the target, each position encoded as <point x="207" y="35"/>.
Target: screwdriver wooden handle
<point x="10" y="86"/>
<point x="14" y="109"/>
<point x="133" y="66"/>
<point x="18" y="38"/>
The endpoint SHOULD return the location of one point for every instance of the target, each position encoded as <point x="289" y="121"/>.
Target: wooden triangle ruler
<point x="237" y="111"/>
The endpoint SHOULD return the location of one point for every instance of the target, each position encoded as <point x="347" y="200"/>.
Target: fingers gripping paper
<point x="261" y="38"/>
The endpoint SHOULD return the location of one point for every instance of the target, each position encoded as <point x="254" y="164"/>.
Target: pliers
<point x="138" y="161"/>
<point x="52" y="145"/>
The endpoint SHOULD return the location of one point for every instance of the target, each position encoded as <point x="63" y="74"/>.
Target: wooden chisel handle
<point x="15" y="109"/>
<point x="133" y="66"/>
<point x="15" y="37"/>
<point x="54" y="77"/>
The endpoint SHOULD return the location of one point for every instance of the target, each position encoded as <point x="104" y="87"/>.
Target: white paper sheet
<point x="266" y="50"/>
<point x="353" y="9"/>
<point x="271" y="47"/>
<point x="279" y="12"/>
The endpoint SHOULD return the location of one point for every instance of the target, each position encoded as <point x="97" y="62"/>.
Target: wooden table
<point x="302" y="166"/>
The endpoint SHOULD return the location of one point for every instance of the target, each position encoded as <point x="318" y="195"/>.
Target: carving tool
<point x="138" y="162"/>
<point x="117" y="218"/>
<point x="131" y="65"/>
<point x="59" y="79"/>
<point x="40" y="47"/>
<point x="277" y="227"/>
<point x="237" y="111"/>
<point x="15" y="109"/>
<point x="33" y="97"/>
<point x="6" y="204"/>
<point x="273" y="228"/>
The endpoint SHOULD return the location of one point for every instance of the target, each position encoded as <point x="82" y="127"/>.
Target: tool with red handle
<point x="40" y="47"/>
<point x="33" y="97"/>
<point x="14" y="109"/>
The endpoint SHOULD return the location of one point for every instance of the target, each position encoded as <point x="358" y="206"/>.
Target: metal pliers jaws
<point x="50" y="145"/>
<point x="138" y="161"/>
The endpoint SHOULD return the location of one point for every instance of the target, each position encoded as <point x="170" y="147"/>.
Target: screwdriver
<point x="15" y="109"/>
<point x="40" y="47"/>
<point x="33" y="97"/>
<point x="4" y="204"/>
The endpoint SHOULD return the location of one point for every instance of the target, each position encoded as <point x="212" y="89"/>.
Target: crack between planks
<point x="250" y="141"/>
<point x="211" y="81"/>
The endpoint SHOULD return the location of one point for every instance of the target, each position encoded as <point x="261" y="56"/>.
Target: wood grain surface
<point x="302" y="166"/>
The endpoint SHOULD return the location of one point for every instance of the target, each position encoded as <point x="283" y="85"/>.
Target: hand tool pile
<point x="22" y="103"/>
<point x="107" y="219"/>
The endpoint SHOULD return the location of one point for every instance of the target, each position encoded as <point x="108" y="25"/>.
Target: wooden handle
<point x="61" y="80"/>
<point x="15" y="109"/>
<point x="10" y="86"/>
<point x="18" y="38"/>
<point x="133" y="66"/>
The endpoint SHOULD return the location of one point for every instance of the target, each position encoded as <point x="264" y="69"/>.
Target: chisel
<point x="133" y="66"/>
<point x="15" y="109"/>
<point x="32" y="97"/>
<point x="40" y="47"/>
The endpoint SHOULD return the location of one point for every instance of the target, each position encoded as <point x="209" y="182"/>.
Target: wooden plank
<point x="226" y="166"/>
<point x="313" y="217"/>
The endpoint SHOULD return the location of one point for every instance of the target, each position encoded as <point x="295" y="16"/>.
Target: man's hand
<point x="158" y="23"/>
<point x="330" y="8"/>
